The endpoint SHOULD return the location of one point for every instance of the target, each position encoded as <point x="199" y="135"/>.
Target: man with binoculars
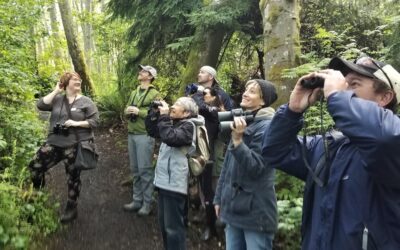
<point x="245" y="196"/>
<point x="140" y="144"/>
<point x="351" y="196"/>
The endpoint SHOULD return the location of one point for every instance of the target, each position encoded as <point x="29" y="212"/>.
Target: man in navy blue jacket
<point x="352" y="191"/>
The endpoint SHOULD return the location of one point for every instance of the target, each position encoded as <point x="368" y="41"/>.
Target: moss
<point x="272" y="43"/>
<point x="274" y="12"/>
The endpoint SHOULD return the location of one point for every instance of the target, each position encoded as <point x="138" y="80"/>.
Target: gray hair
<point x="188" y="105"/>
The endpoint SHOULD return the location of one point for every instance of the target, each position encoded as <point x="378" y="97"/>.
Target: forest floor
<point x="102" y="224"/>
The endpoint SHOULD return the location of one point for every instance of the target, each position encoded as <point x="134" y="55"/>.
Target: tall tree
<point x="55" y="31"/>
<point x="86" y="12"/>
<point x="281" y="21"/>
<point x="74" y="49"/>
<point x="205" y="50"/>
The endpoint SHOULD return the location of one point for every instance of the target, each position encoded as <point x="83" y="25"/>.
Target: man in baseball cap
<point x="352" y="173"/>
<point x="385" y="77"/>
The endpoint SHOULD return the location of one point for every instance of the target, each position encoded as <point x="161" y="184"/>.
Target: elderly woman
<point x="176" y="127"/>
<point x="72" y="118"/>
<point x="245" y="196"/>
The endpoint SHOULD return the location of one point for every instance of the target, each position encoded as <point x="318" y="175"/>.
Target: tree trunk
<point x="74" y="48"/>
<point x="55" y="32"/>
<point x="281" y="21"/>
<point x="205" y="51"/>
<point x="87" y="29"/>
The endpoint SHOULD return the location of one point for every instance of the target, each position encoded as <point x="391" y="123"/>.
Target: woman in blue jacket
<point x="351" y="196"/>
<point x="245" y="196"/>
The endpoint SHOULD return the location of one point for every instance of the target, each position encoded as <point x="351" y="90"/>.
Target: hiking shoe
<point x="145" y="210"/>
<point x="71" y="212"/>
<point x="132" y="207"/>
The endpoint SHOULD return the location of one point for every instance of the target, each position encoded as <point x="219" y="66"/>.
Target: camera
<point x="60" y="129"/>
<point x="226" y="117"/>
<point x="312" y="83"/>
<point x="155" y="104"/>
<point x="191" y="89"/>
<point x="132" y="117"/>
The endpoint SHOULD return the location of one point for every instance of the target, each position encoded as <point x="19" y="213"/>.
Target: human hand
<point x="334" y="81"/>
<point x="301" y="98"/>
<point x="58" y="88"/>
<point x="217" y="209"/>
<point x="132" y="110"/>
<point x="200" y="88"/>
<point x="71" y="123"/>
<point x="238" y="126"/>
<point x="164" y="109"/>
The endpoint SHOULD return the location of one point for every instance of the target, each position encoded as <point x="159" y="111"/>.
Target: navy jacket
<point x="245" y="190"/>
<point x="359" y="207"/>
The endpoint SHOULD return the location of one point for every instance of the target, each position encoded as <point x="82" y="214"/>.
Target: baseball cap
<point x="210" y="70"/>
<point x="371" y="68"/>
<point x="149" y="69"/>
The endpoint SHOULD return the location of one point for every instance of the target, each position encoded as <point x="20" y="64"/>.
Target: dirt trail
<point x="101" y="223"/>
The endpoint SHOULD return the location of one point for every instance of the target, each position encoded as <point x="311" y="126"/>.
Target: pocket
<point x="242" y="202"/>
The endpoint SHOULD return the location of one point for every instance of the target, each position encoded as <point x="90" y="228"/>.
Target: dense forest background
<point x="105" y="40"/>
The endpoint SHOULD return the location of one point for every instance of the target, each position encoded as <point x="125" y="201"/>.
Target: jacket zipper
<point x="365" y="239"/>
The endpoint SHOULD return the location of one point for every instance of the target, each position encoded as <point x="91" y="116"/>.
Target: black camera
<point x="226" y="117"/>
<point x="191" y="89"/>
<point x="60" y="129"/>
<point x="132" y="117"/>
<point x="313" y="83"/>
<point x="155" y="104"/>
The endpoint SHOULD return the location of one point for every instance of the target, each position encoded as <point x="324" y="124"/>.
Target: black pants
<point x="47" y="157"/>
<point x="171" y="210"/>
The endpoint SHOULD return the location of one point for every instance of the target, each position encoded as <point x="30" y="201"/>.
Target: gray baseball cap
<point x="149" y="69"/>
<point x="371" y="68"/>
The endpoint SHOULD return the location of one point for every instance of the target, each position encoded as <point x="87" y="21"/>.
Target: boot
<point x="71" y="212"/>
<point x="210" y="230"/>
<point x="200" y="215"/>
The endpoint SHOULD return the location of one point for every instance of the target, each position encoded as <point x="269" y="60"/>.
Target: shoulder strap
<point x="66" y="103"/>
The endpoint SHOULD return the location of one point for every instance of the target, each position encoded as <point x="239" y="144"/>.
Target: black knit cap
<point x="268" y="92"/>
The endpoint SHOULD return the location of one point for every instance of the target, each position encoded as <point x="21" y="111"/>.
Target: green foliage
<point x="23" y="213"/>
<point x="288" y="236"/>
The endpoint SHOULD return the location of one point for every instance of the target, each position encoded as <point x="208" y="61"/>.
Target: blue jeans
<point x="141" y="148"/>
<point x="242" y="239"/>
<point x="171" y="210"/>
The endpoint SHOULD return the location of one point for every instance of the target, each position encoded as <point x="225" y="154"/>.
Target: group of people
<point x="351" y="198"/>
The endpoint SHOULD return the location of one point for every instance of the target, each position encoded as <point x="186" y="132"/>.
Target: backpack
<point x="151" y="122"/>
<point x="199" y="157"/>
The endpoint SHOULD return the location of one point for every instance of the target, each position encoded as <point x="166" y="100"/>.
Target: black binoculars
<point x="60" y="129"/>
<point x="226" y="117"/>
<point x="313" y="83"/>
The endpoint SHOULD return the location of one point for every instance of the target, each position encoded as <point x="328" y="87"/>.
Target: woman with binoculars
<point x="72" y="118"/>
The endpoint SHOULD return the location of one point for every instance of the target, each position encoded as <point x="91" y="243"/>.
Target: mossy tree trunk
<point x="281" y="21"/>
<point x="205" y="50"/>
<point x="74" y="49"/>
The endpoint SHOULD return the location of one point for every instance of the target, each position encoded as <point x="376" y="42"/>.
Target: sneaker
<point x="132" y="207"/>
<point x="145" y="210"/>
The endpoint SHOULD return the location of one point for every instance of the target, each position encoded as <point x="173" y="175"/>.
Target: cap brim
<point x="346" y="67"/>
<point x="140" y="66"/>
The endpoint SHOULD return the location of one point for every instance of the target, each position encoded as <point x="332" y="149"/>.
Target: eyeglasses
<point x="368" y="62"/>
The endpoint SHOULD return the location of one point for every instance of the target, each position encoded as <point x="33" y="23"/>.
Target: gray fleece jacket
<point x="172" y="170"/>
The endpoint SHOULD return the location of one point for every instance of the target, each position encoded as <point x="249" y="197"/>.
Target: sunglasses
<point x="368" y="62"/>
